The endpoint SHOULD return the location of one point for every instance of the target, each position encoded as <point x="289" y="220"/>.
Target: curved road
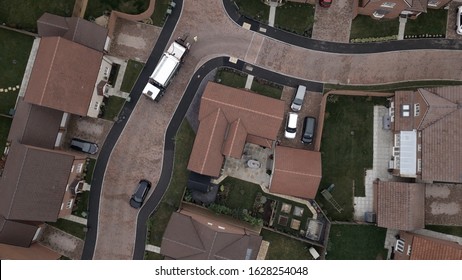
<point x="142" y="129"/>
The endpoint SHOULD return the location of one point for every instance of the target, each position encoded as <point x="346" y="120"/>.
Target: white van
<point x="298" y="98"/>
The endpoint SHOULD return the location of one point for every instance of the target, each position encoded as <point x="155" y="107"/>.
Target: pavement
<point x="272" y="14"/>
<point x="402" y="27"/>
<point x="382" y="145"/>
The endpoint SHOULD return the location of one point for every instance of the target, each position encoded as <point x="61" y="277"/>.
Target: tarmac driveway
<point x="451" y="23"/>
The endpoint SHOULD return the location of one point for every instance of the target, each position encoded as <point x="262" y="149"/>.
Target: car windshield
<point x="298" y="101"/>
<point x="291" y="129"/>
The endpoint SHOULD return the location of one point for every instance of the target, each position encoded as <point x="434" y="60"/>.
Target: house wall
<point x="103" y="75"/>
<point x="69" y="197"/>
<point x="369" y="7"/>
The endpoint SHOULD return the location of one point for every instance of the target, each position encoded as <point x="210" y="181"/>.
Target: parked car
<point x="308" y="130"/>
<point x="459" y="21"/>
<point x="84" y="146"/>
<point x="298" y="99"/>
<point x="137" y="199"/>
<point x="291" y="125"/>
<point x="325" y="3"/>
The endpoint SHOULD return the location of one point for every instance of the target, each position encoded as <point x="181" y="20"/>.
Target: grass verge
<point x="112" y="107"/>
<point x="184" y="141"/>
<point x="132" y="72"/>
<point x="89" y="170"/>
<point x="70" y="227"/>
<point x="295" y="17"/>
<point x="153" y="256"/>
<point x="159" y="15"/>
<point x="82" y="204"/>
<point x="231" y="78"/>
<point x="346" y="150"/>
<point x="97" y="8"/>
<point x="410" y="85"/>
<point x="254" y="9"/>
<point x="356" y="242"/>
<point x="366" y="27"/>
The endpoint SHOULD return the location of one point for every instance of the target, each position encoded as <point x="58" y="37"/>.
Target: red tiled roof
<point x="259" y="141"/>
<point x="235" y="140"/>
<point x="243" y="113"/>
<point x="296" y="172"/>
<point x="63" y="76"/>
<point x="400" y="205"/>
<point x="427" y="248"/>
<point x="16" y="233"/>
<point x="206" y="157"/>
<point x="35" y="252"/>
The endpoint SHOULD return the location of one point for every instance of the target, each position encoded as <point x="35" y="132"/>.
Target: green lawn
<point x="158" y="17"/>
<point x="5" y="124"/>
<point x="23" y="14"/>
<point x="433" y="22"/>
<point x="356" y="242"/>
<point x="452" y="230"/>
<point x="231" y="78"/>
<point x="241" y="193"/>
<point x="184" y="141"/>
<point x="96" y="8"/>
<point x="70" y="227"/>
<point x="14" y="53"/>
<point x="267" y="89"/>
<point x="285" y="248"/>
<point x="153" y="256"/>
<point x="132" y="72"/>
<point x="255" y="9"/>
<point x="295" y="17"/>
<point x="365" y="27"/>
<point x="113" y="106"/>
<point x="346" y="150"/>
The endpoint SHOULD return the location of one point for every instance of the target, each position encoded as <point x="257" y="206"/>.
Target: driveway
<point x="334" y="23"/>
<point x="451" y="23"/>
<point x="140" y="148"/>
<point x="443" y="204"/>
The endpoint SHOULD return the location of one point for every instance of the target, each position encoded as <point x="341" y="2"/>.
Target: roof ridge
<point x="296" y="173"/>
<point x="49" y="69"/>
<point x="17" y="181"/>
<point x="423" y="92"/>
<point x="238" y="122"/>
<point x="218" y="111"/>
<point x="240" y="107"/>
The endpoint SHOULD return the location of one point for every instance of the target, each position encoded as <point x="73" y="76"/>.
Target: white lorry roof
<point x="151" y="91"/>
<point x="166" y="67"/>
<point x="176" y="50"/>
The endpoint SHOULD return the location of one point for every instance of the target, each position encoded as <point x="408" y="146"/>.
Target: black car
<point x="309" y="124"/>
<point x="84" y="146"/>
<point x="138" y="197"/>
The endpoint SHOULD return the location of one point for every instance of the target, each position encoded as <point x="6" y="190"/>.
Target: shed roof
<point x="296" y="172"/>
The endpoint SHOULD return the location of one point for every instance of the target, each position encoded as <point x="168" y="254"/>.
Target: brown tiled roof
<point x="74" y="29"/>
<point x="427" y="248"/>
<point x="33" y="183"/>
<point x="63" y="76"/>
<point x="438" y="108"/>
<point x="16" y="233"/>
<point x="262" y="116"/>
<point x="400" y="205"/>
<point x="35" y="125"/>
<point x="235" y="139"/>
<point x="442" y="136"/>
<point x="296" y="172"/>
<point x="242" y="113"/>
<point x="186" y="239"/>
<point x="206" y="157"/>
<point x="35" y="252"/>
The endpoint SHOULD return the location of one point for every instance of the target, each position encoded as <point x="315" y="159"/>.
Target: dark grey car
<point x="138" y="197"/>
<point x="308" y="130"/>
<point x="84" y="146"/>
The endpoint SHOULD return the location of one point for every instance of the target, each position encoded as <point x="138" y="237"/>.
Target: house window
<point x="69" y="203"/>
<point x="67" y="187"/>
<point x="419" y="134"/>
<point x="433" y="3"/>
<point x="419" y="147"/>
<point x="408" y="250"/>
<point x="388" y="5"/>
<point x="405" y="110"/>
<point x="72" y="169"/>
<point x="416" y="110"/>
<point x="419" y="165"/>
<point x="399" y="245"/>
<point x="79" y="168"/>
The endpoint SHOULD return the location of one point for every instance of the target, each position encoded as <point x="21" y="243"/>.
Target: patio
<point x="251" y="167"/>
